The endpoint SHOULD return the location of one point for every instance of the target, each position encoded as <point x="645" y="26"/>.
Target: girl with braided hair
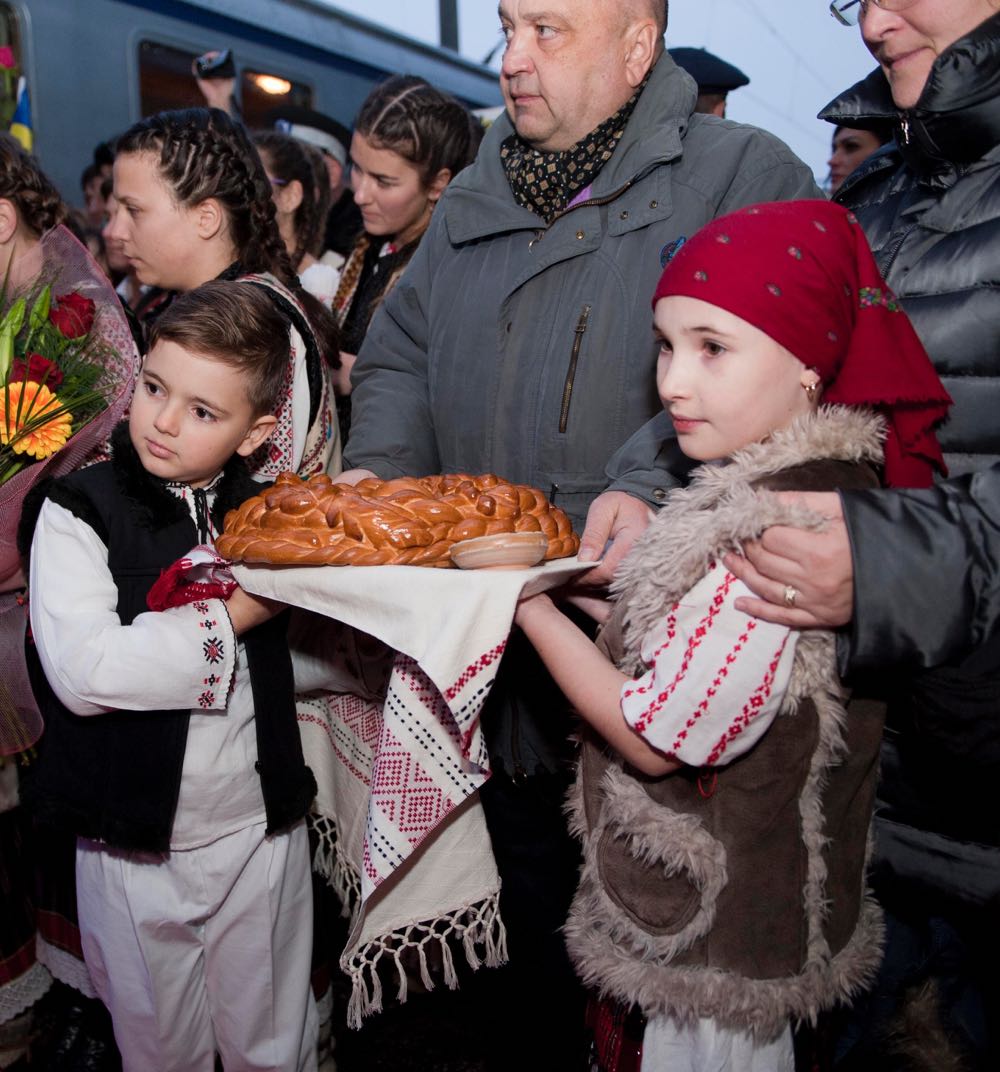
<point x="193" y="203"/>
<point x="301" y="193"/>
<point x="409" y="142"/>
<point x="30" y="204"/>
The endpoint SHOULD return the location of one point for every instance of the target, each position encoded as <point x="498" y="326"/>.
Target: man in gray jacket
<point x="519" y="342"/>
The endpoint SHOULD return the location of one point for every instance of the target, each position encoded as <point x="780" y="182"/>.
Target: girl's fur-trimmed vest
<point x="736" y="894"/>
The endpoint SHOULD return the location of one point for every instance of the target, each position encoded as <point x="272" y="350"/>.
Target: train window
<point x="10" y="64"/>
<point x="165" y="79"/>
<point x="262" y="93"/>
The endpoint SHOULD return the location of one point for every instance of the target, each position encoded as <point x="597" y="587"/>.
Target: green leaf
<point x="6" y="352"/>
<point x="14" y="318"/>
<point x="39" y="316"/>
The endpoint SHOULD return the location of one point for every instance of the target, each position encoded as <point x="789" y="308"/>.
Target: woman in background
<point x="410" y="140"/>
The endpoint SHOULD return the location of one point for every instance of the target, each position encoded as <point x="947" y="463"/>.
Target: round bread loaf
<point x="409" y="521"/>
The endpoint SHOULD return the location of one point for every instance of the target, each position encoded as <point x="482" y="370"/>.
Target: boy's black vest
<point x="116" y="777"/>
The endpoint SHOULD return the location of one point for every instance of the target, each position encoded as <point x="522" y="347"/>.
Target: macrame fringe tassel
<point x="477" y="926"/>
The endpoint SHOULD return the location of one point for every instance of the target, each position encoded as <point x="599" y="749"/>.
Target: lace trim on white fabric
<point x="65" y="967"/>
<point x="21" y="993"/>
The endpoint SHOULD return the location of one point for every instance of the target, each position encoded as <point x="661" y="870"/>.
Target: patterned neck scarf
<point x="546" y="182"/>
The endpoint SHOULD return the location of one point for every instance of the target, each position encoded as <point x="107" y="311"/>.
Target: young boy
<point x="171" y="746"/>
<point x="725" y="805"/>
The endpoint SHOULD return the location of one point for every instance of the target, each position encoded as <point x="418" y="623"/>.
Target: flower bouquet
<point x="67" y="369"/>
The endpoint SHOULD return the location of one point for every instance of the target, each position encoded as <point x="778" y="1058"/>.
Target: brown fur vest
<point x="736" y="894"/>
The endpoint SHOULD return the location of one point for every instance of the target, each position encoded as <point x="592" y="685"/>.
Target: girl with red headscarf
<point x="725" y="784"/>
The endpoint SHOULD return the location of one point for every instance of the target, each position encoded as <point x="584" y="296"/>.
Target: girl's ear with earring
<point x="811" y="384"/>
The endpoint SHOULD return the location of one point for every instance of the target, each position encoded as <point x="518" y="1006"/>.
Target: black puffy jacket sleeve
<point x="926" y="573"/>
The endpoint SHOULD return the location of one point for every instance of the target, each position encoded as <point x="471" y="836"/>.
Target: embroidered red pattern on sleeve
<point x="716" y="678"/>
<point x="213" y="651"/>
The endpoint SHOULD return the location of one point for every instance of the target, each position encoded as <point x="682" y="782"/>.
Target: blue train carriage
<point x="93" y="67"/>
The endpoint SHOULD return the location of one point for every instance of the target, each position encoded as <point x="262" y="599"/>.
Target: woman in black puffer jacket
<point x="930" y="206"/>
<point x="924" y="599"/>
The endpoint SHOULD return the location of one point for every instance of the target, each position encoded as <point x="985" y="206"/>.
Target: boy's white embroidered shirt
<point x="184" y="657"/>
<point x="716" y="679"/>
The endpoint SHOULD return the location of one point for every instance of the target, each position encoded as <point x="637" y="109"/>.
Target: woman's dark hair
<point x="425" y="126"/>
<point x="24" y="183"/>
<point x="292" y="160"/>
<point x="236" y="323"/>
<point x="202" y="153"/>
<point x="884" y="131"/>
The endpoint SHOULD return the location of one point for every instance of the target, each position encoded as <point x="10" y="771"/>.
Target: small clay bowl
<point x="506" y="550"/>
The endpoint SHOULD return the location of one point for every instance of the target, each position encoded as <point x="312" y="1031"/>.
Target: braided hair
<point x="202" y="153"/>
<point x="23" y="182"/>
<point x="428" y="128"/>
<point x="291" y="160"/>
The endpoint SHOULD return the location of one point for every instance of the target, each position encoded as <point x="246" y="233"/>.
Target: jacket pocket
<point x="574" y="359"/>
<point x="661" y="869"/>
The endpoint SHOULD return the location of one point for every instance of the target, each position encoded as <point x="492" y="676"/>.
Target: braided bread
<point x="407" y="521"/>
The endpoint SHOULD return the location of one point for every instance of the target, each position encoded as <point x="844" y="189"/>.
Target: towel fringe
<point x="474" y="925"/>
<point x="332" y="863"/>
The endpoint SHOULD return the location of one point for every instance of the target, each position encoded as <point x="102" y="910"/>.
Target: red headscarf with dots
<point x="802" y="272"/>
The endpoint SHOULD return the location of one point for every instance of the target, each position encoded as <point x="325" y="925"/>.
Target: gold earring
<point x="812" y="390"/>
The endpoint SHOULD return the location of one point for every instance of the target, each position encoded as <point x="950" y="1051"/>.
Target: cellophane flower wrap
<point x="67" y="369"/>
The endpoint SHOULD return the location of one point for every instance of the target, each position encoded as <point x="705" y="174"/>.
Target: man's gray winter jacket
<point x="526" y="350"/>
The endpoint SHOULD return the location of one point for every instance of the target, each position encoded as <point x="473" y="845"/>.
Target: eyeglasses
<point x="850" y="12"/>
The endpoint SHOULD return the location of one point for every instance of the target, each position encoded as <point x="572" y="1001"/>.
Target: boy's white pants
<point x="204" y="950"/>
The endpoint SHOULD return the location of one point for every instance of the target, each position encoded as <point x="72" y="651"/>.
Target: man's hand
<point x="12" y="579"/>
<point x="614" y="516"/>
<point x="354" y="476"/>
<point x="813" y="570"/>
<point x="342" y="376"/>
<point x="218" y="92"/>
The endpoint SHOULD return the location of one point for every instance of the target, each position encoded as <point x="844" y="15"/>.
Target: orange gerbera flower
<point x="23" y="424"/>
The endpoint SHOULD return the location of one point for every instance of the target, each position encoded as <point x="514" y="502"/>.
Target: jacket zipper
<point x="578" y="332"/>
<point x="606" y="200"/>
<point x="598" y="201"/>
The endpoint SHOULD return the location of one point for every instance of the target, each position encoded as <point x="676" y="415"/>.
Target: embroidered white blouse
<point x="716" y="676"/>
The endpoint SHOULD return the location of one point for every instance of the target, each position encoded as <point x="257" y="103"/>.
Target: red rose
<point x="37" y="368"/>
<point x="72" y="314"/>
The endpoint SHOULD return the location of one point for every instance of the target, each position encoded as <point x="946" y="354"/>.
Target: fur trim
<point x="761" y="1006"/>
<point x="720" y="509"/>
<point x="675" y="843"/>
<point x="154" y="505"/>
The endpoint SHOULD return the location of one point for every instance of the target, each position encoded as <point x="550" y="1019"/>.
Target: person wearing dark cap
<point x="714" y="76"/>
<point x="333" y="139"/>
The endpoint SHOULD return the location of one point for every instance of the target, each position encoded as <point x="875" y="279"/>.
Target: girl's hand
<point x="531" y="609"/>
<point x="591" y="603"/>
